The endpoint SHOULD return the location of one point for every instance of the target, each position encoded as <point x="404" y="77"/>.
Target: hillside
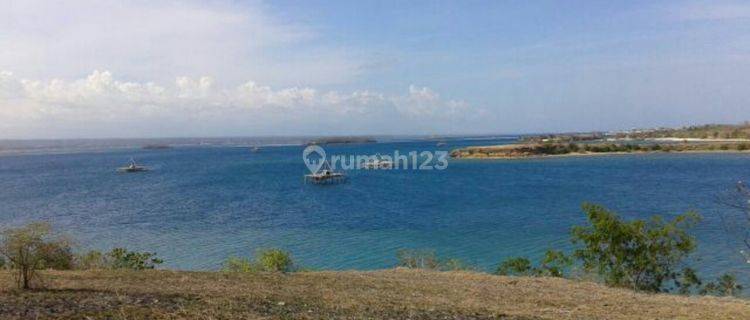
<point x="709" y="131"/>
<point x="387" y="294"/>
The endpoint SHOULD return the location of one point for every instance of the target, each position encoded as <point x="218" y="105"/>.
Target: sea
<point x="205" y="200"/>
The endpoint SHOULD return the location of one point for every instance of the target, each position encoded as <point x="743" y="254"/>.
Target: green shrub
<point x="726" y="285"/>
<point x="743" y="146"/>
<point x="268" y="260"/>
<point x="553" y="264"/>
<point x="275" y="260"/>
<point x="639" y="254"/>
<point x="2" y="263"/>
<point x="517" y="266"/>
<point x="121" y="258"/>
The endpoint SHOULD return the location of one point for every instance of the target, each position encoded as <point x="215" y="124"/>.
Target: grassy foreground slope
<point x="387" y="294"/>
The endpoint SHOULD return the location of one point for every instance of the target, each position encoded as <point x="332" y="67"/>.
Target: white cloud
<point x="100" y="100"/>
<point x="159" y="40"/>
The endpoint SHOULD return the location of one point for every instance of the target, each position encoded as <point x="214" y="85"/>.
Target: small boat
<point x="441" y="144"/>
<point x="133" y="167"/>
<point x="378" y="163"/>
<point x="255" y="149"/>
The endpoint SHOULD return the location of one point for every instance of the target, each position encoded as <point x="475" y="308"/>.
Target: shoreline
<point x="598" y="154"/>
<point x="520" y="152"/>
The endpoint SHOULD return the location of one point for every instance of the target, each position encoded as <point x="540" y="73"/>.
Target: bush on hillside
<point x="275" y="260"/>
<point x="516" y="266"/>
<point x="725" y="285"/>
<point x="639" y="254"/>
<point x="121" y="258"/>
<point x="267" y="260"/>
<point x="554" y="264"/>
<point x="33" y="247"/>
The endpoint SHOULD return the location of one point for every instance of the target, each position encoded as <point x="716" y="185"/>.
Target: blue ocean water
<point x="202" y="204"/>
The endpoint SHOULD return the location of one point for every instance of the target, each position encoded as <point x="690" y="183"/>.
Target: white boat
<point x="378" y="163"/>
<point x="133" y="167"/>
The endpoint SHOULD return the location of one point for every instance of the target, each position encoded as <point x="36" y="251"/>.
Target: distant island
<point x="341" y="140"/>
<point x="156" y="147"/>
<point x="707" y="138"/>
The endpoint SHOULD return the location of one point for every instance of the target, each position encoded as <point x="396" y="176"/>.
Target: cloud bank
<point x="198" y="106"/>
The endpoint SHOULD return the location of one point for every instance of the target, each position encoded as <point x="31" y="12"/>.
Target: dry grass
<point x="388" y="294"/>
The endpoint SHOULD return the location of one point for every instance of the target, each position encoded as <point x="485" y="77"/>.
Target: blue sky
<point x="369" y="67"/>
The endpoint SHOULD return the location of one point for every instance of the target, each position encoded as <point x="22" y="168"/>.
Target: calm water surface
<point x="202" y="204"/>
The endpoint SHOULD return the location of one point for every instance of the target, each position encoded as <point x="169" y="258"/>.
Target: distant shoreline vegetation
<point x="515" y="151"/>
<point x="707" y="138"/>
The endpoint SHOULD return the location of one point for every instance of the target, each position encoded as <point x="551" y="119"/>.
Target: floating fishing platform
<point x="133" y="167"/>
<point x="325" y="175"/>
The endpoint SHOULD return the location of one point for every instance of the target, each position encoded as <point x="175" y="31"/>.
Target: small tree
<point x="639" y="254"/>
<point x="31" y="248"/>
<point x="121" y="258"/>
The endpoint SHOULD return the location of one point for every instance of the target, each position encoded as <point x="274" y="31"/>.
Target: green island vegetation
<point x="703" y="132"/>
<point x="559" y="149"/>
<point x="708" y="131"/>
<point x="613" y="261"/>
<point x="707" y="138"/>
